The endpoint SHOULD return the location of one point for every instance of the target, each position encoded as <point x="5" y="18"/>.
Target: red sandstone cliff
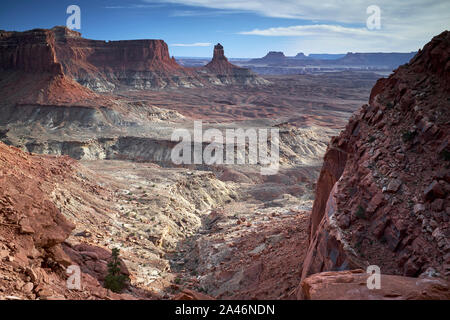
<point x="31" y="74"/>
<point x="106" y="66"/>
<point x="383" y="193"/>
<point x="103" y="65"/>
<point x="31" y="51"/>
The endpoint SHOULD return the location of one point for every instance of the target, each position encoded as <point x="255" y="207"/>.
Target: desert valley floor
<point x="208" y="228"/>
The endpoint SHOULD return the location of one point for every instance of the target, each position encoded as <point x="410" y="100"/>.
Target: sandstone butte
<point x="219" y="63"/>
<point x="382" y="196"/>
<point x="106" y="66"/>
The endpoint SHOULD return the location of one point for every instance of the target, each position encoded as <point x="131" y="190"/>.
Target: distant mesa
<point x="270" y="58"/>
<point x="319" y="56"/>
<point x="379" y="60"/>
<point x="326" y="56"/>
<point x="107" y="66"/>
<point x="301" y="55"/>
<point x="275" y="55"/>
<point x="391" y="59"/>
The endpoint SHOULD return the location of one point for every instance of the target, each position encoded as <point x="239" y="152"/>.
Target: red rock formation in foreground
<point x="382" y="197"/>
<point x="32" y="229"/>
<point x="352" y="285"/>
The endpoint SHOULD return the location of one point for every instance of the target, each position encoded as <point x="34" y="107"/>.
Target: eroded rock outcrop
<point x="352" y="285"/>
<point x="228" y="73"/>
<point x="31" y="73"/>
<point x="383" y="193"/>
<point x="32" y="232"/>
<point x="30" y="51"/>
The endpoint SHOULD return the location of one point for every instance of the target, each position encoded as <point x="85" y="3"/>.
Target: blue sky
<point x="245" y="28"/>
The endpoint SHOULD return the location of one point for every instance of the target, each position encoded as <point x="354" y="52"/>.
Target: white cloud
<point x="332" y="25"/>
<point x="196" y="44"/>
<point x="198" y="13"/>
<point x="343" y="11"/>
<point x="136" y="6"/>
<point x="307" y="30"/>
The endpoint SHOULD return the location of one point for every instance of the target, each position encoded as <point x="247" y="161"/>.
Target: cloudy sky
<point x="246" y="28"/>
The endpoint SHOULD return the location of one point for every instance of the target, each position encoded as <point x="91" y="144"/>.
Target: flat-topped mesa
<point x="106" y="66"/>
<point x="391" y="59"/>
<point x="107" y="56"/>
<point x="271" y="57"/>
<point x="109" y="65"/>
<point x="29" y="60"/>
<point x="275" y="54"/>
<point x="301" y="55"/>
<point x="96" y="64"/>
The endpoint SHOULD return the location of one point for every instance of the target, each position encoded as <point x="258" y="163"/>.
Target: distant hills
<point x="326" y="56"/>
<point x="377" y="59"/>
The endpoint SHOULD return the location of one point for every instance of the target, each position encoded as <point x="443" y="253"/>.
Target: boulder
<point x="352" y="285"/>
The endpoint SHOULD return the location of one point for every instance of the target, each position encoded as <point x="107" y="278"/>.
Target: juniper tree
<point x="115" y="280"/>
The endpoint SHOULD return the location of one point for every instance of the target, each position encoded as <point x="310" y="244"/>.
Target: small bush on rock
<point x="115" y="280"/>
<point x="360" y="212"/>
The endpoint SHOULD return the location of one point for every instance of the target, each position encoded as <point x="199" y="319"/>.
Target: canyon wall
<point x="30" y="51"/>
<point x="30" y="72"/>
<point x="383" y="193"/>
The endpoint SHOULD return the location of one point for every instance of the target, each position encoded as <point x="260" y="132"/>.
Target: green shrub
<point x="360" y="212"/>
<point x="445" y="155"/>
<point x="114" y="280"/>
<point x="408" y="136"/>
